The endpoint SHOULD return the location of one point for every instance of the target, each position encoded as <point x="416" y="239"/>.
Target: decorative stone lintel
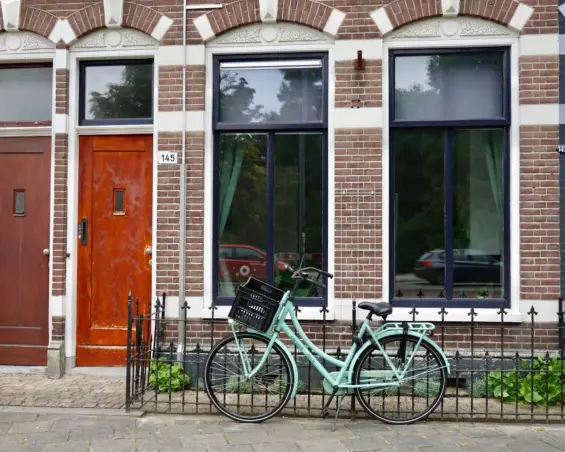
<point x="11" y="14"/>
<point x="268" y="10"/>
<point x="450" y="8"/>
<point x="113" y="13"/>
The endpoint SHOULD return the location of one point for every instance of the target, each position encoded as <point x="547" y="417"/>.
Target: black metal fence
<point x="500" y="371"/>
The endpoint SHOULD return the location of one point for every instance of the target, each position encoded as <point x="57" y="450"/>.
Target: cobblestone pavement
<point x="29" y="430"/>
<point x="72" y="391"/>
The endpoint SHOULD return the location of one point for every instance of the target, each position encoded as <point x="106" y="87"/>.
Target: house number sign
<point x="166" y="157"/>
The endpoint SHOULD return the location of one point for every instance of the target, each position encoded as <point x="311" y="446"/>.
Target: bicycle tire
<point x="238" y="416"/>
<point x="421" y="416"/>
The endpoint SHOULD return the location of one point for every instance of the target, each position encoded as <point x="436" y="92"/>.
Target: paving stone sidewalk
<point x="71" y="391"/>
<point x="30" y="430"/>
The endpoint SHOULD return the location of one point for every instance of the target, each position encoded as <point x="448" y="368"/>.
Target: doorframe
<point x="45" y="55"/>
<point x="76" y="55"/>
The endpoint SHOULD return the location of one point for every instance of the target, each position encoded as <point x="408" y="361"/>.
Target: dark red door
<point x="115" y="211"/>
<point x="24" y="235"/>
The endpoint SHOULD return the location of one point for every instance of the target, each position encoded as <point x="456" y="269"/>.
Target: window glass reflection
<point x="291" y="95"/>
<point x="118" y="91"/>
<point x="449" y="87"/>
<point x="242" y="210"/>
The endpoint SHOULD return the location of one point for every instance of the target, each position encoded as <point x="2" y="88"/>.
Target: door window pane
<point x="118" y="91"/>
<point x="478" y="213"/>
<point x="260" y="92"/>
<point x="242" y="210"/>
<point x="449" y="86"/>
<point x="299" y="200"/>
<point x="419" y="213"/>
<point x="26" y="93"/>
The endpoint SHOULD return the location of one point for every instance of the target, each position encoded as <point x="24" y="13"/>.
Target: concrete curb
<point x="73" y="411"/>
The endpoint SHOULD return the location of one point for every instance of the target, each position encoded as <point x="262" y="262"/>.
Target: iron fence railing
<point x="500" y="372"/>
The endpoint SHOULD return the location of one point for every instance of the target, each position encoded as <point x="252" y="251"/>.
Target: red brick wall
<point x="195" y="84"/>
<point x="452" y="337"/>
<point x="168" y="202"/>
<point x="195" y="214"/>
<point x="545" y="17"/>
<point x="59" y="248"/>
<point x="358" y="213"/>
<point x="170" y="88"/>
<point x="539" y="213"/>
<point x="58" y="333"/>
<point x="539" y="79"/>
<point x="355" y="88"/>
<point x="62" y="91"/>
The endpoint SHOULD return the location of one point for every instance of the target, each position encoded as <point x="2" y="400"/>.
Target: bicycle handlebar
<point x="303" y="275"/>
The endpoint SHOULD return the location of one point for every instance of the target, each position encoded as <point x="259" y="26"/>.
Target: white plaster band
<point x="380" y="17"/>
<point x="173" y="55"/>
<point x="60" y="123"/>
<point x="346" y="49"/>
<point x="539" y="114"/>
<point x="162" y="27"/>
<point x="521" y="16"/>
<point x="534" y="45"/>
<point x="61" y="60"/>
<point x="202" y="24"/>
<point x="63" y="31"/>
<point x="268" y="10"/>
<point x="11" y="14"/>
<point x="113" y="13"/>
<point x="450" y="8"/>
<point x="334" y="22"/>
<point x="172" y="121"/>
<point x="357" y="118"/>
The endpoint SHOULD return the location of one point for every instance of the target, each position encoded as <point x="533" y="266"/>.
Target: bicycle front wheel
<point x="419" y="392"/>
<point x="244" y="399"/>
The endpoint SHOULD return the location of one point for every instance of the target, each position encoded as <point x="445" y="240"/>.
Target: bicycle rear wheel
<point x="419" y="393"/>
<point x="248" y="400"/>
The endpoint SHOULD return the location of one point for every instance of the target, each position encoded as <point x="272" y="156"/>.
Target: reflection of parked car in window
<point x="243" y="261"/>
<point x="468" y="266"/>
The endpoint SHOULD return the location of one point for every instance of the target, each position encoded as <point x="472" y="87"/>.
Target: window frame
<point x="448" y="127"/>
<point x="505" y="120"/>
<point x="270" y="130"/>
<point x="33" y="65"/>
<point x="217" y="125"/>
<point x="83" y="65"/>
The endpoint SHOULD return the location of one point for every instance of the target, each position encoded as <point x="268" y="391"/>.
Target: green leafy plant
<point x="536" y="383"/>
<point x="244" y="386"/>
<point x="167" y="377"/>
<point x="478" y="387"/>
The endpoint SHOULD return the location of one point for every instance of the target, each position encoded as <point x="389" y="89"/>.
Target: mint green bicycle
<point x="397" y="372"/>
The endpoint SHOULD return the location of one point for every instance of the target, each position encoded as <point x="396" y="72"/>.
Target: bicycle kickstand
<point x="337" y="411"/>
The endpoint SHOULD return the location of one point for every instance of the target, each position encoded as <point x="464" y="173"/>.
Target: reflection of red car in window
<point x="243" y="261"/>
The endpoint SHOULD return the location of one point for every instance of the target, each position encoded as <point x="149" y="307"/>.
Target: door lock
<point x="83" y="232"/>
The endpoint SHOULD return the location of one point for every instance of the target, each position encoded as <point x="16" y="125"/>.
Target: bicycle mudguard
<point x="400" y="331"/>
<point x="288" y="354"/>
<point x="293" y="364"/>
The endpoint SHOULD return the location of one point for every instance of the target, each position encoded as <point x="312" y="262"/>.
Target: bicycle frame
<point x="343" y="379"/>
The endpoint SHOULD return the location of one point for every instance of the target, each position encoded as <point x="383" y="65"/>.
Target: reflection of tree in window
<point x="237" y="98"/>
<point x="448" y="86"/>
<point x="131" y="98"/>
<point x="301" y="96"/>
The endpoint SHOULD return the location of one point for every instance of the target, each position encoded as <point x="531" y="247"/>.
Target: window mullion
<point x="448" y="213"/>
<point x="270" y="207"/>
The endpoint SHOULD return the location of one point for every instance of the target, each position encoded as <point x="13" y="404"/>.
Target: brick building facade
<point x="479" y="229"/>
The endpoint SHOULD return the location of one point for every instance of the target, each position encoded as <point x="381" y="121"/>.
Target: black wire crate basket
<point x="256" y="304"/>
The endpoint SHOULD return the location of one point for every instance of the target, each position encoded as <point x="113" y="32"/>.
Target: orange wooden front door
<point x="24" y="235"/>
<point x="114" y="217"/>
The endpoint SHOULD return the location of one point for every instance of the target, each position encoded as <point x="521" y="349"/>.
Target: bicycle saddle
<point x="382" y="309"/>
